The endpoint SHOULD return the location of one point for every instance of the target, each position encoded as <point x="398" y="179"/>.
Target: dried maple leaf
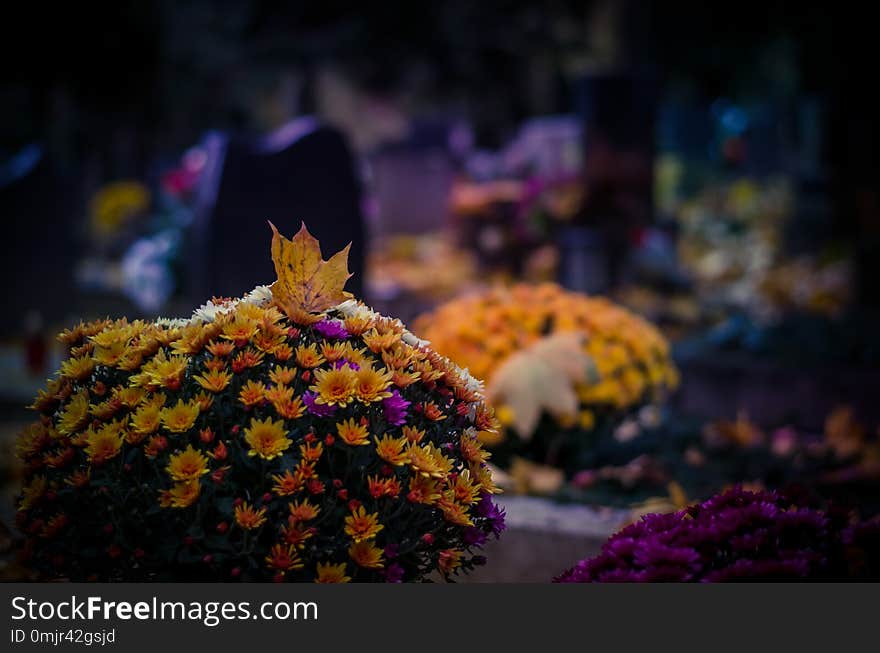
<point x="307" y="284"/>
<point x="540" y="378"/>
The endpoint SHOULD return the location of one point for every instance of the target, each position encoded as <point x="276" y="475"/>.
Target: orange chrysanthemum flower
<point x="249" y="518"/>
<point x="283" y="558"/>
<point x="246" y="359"/>
<point x="412" y="434"/>
<point x="383" y="487"/>
<point x="79" y="478"/>
<point x="423" y="489"/>
<point x="252" y="393"/>
<point x="187" y="465"/>
<point x="392" y="450"/>
<point x="155" y="445"/>
<point x="365" y="554"/>
<point x="296" y="534"/>
<point x="302" y="511"/>
<point x="267" y="438"/>
<point x="204" y="401"/>
<point x="307" y="357"/>
<point x="221" y="349"/>
<point x="330" y="573"/>
<point x="431" y="411"/>
<point x="471" y="449"/>
<point x="287" y="483"/>
<point x="214" y="380"/>
<point x="362" y="526"/>
<point x="352" y="433"/>
<point x="293" y="409"/>
<point x="180" y="417"/>
<point x="449" y="560"/>
<point x="378" y="342"/>
<point x="282" y="375"/>
<point x="311" y="452"/>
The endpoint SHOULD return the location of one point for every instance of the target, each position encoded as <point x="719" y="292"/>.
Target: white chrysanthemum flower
<point x="472" y="383"/>
<point x="356" y="309"/>
<point x="171" y="322"/>
<point x="413" y="340"/>
<point x="209" y="311"/>
<point x="260" y="296"/>
<point x="350" y="307"/>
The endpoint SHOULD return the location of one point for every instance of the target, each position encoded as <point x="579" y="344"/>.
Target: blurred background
<point x="713" y="167"/>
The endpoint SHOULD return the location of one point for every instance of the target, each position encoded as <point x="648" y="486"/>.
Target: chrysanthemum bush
<point x="293" y="434"/>
<point x="737" y="535"/>
<point x="561" y="366"/>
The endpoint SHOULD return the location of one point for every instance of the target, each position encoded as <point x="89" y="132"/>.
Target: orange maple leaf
<point x="307" y="284"/>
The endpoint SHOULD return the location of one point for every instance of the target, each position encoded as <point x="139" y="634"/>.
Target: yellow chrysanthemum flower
<point x="335" y="386"/>
<point x="365" y="554"/>
<point x="75" y="414"/>
<point x="187" y="465"/>
<point x="372" y="385"/>
<point x="181" y="417"/>
<point x="267" y="438"/>
<point x="352" y="433"/>
<point x="361" y="526"/>
<point x="181" y="495"/>
<point x="330" y="573"/>
<point x="104" y="445"/>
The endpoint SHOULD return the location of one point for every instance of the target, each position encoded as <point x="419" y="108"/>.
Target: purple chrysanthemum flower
<point x="494" y="516"/>
<point x="316" y="409"/>
<point x="342" y="362"/>
<point x="394" y="408"/>
<point x="394" y="573"/>
<point x="331" y="329"/>
<point x="474" y="537"/>
<point x="732" y="536"/>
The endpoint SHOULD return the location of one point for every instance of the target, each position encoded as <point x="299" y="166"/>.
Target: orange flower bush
<point x="293" y="434"/>
<point x="554" y="361"/>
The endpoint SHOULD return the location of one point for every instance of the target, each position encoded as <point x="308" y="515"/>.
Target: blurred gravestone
<point x="303" y="172"/>
<point x="39" y="209"/>
<point x="411" y="182"/>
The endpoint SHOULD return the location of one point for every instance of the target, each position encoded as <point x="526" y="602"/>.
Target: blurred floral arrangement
<point x="428" y="266"/>
<point x="738" y="535"/>
<point x="562" y="368"/>
<point x="115" y="205"/>
<point x="292" y="435"/>
<point x="135" y="234"/>
<point x="509" y="205"/>
<point x="731" y="241"/>
<point x="656" y="468"/>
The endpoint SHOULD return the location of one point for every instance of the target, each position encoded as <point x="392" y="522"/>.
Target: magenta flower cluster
<point x="737" y="535"/>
